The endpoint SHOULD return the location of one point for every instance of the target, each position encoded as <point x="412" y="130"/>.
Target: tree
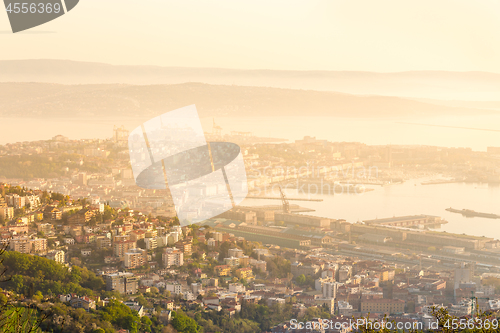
<point x="223" y="250"/>
<point x="17" y="280"/>
<point x="121" y="315"/>
<point x="141" y="243"/>
<point x="130" y="322"/>
<point x="38" y="296"/>
<point x="13" y="318"/>
<point x="301" y="279"/>
<point x="143" y="301"/>
<point x="184" y="324"/>
<point x="146" y="324"/>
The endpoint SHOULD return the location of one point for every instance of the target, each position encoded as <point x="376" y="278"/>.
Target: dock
<point x="278" y="198"/>
<point x="473" y="213"/>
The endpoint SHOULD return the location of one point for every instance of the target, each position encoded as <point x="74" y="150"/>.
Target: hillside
<point x="119" y="100"/>
<point x="417" y="84"/>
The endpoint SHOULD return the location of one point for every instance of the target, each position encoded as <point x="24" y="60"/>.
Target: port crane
<point x="475" y="307"/>
<point x="284" y="201"/>
<point x="216" y="129"/>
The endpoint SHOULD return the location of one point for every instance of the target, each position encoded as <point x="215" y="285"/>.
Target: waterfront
<point x="376" y="131"/>
<point x="387" y="201"/>
<point x="408" y="199"/>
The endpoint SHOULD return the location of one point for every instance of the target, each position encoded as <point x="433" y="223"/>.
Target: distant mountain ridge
<point x="415" y="84"/>
<point x="47" y="100"/>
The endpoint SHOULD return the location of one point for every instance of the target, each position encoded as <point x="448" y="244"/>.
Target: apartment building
<point x="232" y="261"/>
<point x="172" y="257"/>
<point x="151" y="243"/>
<point x="22" y="245"/>
<point x="223" y="270"/>
<point x="382" y="305"/>
<point x="45" y="228"/>
<point x="235" y="252"/>
<point x="174" y="287"/>
<point x="39" y="245"/>
<point x="135" y="258"/>
<point x="244" y="273"/>
<point x="121" y="247"/>
<point x="185" y="247"/>
<point x="124" y="283"/>
<point x="52" y="213"/>
<point x="103" y="242"/>
<point x="16" y="201"/>
<point x="7" y="213"/>
<point x="57" y="256"/>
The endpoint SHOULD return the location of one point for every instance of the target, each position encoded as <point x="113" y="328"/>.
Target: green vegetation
<point x="184" y="324"/>
<point x="48" y="277"/>
<point x="279" y="267"/>
<point x="122" y="316"/>
<point x="16" y="319"/>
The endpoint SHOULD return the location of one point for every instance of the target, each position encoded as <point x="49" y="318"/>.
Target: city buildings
<point x="381" y="305"/>
<point x="124" y="283"/>
<point x="172" y="257"/>
<point x="134" y="258"/>
<point x="57" y="256"/>
<point x="121" y="247"/>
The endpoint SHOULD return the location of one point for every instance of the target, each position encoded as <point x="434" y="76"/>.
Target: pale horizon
<point x="384" y="36"/>
<point x="253" y="69"/>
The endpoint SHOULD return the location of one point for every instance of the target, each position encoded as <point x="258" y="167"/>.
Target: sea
<point x="409" y="198"/>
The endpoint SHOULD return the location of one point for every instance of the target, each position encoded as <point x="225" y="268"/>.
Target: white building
<point x="151" y="243"/>
<point x="232" y="261"/>
<point x="237" y="253"/>
<point x="174" y="237"/>
<point x="464" y="308"/>
<point x="197" y="288"/>
<point x="330" y="289"/>
<point x="172" y="257"/>
<point x="462" y="275"/>
<point x="57" y="256"/>
<point x="188" y="296"/>
<point x="429" y="309"/>
<point x="33" y="201"/>
<point x="494" y="304"/>
<point x="134" y="258"/>
<point x="217" y="236"/>
<point x="175" y="288"/>
<point x="345" y="309"/>
<point x="69" y="241"/>
<point x="162" y="240"/>
<point x="237" y="288"/>
<point x="487" y="290"/>
<point x="14" y="200"/>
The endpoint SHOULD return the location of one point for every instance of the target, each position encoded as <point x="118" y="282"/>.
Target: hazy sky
<point x="373" y="35"/>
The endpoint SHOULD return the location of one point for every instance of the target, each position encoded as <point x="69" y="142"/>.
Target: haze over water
<point x="375" y="131"/>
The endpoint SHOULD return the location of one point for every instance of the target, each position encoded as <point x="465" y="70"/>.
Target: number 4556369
<point x="32" y="8"/>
